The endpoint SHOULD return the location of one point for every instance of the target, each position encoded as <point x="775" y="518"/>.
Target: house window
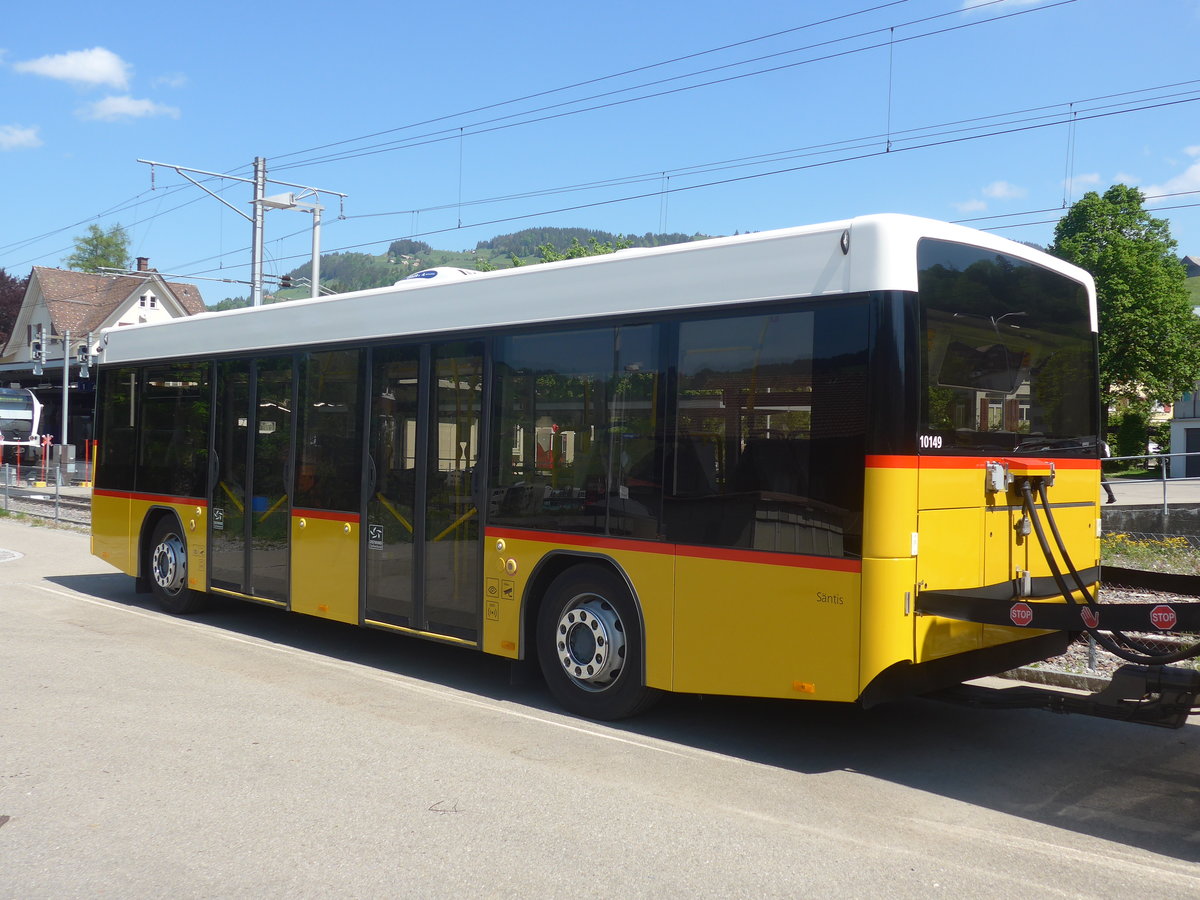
<point x="148" y="301"/>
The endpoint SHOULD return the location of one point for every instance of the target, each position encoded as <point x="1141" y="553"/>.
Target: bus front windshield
<point x="16" y="415"/>
<point x="1008" y="355"/>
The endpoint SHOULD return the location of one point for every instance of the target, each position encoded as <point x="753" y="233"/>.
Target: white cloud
<point x="90" y="67"/>
<point x="970" y="206"/>
<point x="1125" y="178"/>
<point x="1002" y="190"/>
<point x="170" y="80"/>
<point x="1187" y="180"/>
<point x="14" y="137"/>
<point x="1193" y="150"/>
<point x="110" y="109"/>
<point x="1081" y="182"/>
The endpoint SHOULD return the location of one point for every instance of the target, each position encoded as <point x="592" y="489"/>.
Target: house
<point x="64" y="312"/>
<point x="1185" y="435"/>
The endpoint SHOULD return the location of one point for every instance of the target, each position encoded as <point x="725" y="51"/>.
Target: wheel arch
<point x="548" y="568"/>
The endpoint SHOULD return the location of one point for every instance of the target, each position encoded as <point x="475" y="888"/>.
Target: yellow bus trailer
<point x="799" y="464"/>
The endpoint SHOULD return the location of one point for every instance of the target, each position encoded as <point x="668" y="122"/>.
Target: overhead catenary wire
<point x="867" y="153"/>
<point x="862" y="142"/>
<point x="124" y="204"/>
<point x="597" y="80"/>
<point x="850" y="152"/>
<point x="501" y="123"/>
<point x="875" y="8"/>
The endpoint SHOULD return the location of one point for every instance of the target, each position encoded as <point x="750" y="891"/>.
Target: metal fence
<point x="53" y="498"/>
<point x="1158" y="488"/>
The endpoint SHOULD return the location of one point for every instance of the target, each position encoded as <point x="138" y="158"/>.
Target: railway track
<point x="67" y="505"/>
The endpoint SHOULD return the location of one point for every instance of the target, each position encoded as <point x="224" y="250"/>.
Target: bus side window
<point x="578" y="440"/>
<point x="769" y="437"/>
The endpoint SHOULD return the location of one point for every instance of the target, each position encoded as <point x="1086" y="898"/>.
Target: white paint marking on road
<point x="391" y="679"/>
<point x="1182" y="873"/>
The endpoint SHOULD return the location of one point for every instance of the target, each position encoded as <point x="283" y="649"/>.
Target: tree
<point x="407" y="247"/>
<point x="577" y="250"/>
<point x="12" y="293"/>
<point x="1149" y="336"/>
<point x="230" y="303"/>
<point x="99" y="248"/>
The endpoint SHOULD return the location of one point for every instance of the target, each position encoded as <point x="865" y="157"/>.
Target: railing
<point x="49" y="499"/>
<point x="1182" y="489"/>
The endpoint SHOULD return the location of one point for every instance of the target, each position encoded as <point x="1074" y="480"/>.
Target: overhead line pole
<point x="259" y="181"/>
<point x="256" y="250"/>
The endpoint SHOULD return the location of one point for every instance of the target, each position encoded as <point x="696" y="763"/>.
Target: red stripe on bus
<point x="762" y="557"/>
<point x="953" y="462"/>
<point x="891" y="462"/>
<point x="693" y="552"/>
<point x="149" y="498"/>
<point x="979" y="462"/>
<point x="299" y="512"/>
<point x="581" y="540"/>
<point x="971" y="462"/>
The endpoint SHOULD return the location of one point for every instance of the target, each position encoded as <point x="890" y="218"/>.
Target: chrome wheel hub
<point x="590" y="640"/>
<point x="169" y="564"/>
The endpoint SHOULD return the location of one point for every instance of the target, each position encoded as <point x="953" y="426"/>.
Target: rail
<point x="1182" y="488"/>
<point x="51" y="499"/>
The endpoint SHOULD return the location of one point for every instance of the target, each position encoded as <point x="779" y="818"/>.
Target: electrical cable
<point x="708" y="167"/>
<point x="1119" y="644"/>
<point x="596" y="80"/>
<point x="725" y="181"/>
<point x="452" y="134"/>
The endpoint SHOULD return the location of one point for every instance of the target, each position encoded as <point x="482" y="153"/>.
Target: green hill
<point x="343" y="272"/>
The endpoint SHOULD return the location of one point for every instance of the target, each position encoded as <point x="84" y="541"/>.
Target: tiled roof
<point x="80" y="302"/>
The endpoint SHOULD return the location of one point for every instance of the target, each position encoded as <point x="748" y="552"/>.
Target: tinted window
<point x="1008" y="354"/>
<point x="579" y="444"/>
<point x="173" y="455"/>
<point x="330" y="442"/>
<point x="392" y="501"/>
<point x="771" y="428"/>
<point x="115" y="452"/>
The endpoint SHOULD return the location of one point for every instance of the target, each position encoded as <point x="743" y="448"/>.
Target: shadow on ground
<point x="1132" y="785"/>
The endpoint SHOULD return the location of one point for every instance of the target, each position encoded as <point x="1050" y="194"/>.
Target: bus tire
<point x="169" y="569"/>
<point x="590" y="645"/>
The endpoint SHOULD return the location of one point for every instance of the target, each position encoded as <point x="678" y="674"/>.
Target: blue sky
<point x="636" y="117"/>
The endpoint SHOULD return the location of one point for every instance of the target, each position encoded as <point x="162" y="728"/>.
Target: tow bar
<point x="1145" y="695"/>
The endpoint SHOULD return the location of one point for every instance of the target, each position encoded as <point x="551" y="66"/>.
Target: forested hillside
<point x="526" y="243"/>
<point x="342" y="272"/>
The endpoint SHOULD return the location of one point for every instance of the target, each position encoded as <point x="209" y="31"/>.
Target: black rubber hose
<point x="1161" y="659"/>
<point x="1062" y="547"/>
<point x="1106" y="642"/>
<point x="1102" y="639"/>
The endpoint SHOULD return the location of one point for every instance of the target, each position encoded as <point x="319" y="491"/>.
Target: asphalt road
<point x="249" y="752"/>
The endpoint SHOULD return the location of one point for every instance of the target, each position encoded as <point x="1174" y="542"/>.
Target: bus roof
<point x="869" y="253"/>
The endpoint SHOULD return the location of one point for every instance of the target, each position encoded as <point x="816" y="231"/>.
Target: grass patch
<point x="1167" y="554"/>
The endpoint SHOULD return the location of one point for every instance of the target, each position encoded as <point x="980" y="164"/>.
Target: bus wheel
<point x="168" y="570"/>
<point x="590" y="645"/>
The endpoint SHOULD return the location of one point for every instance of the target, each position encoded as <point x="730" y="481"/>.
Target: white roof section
<point x="809" y="261"/>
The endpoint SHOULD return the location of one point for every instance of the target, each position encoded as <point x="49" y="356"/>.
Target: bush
<point x="1132" y="434"/>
